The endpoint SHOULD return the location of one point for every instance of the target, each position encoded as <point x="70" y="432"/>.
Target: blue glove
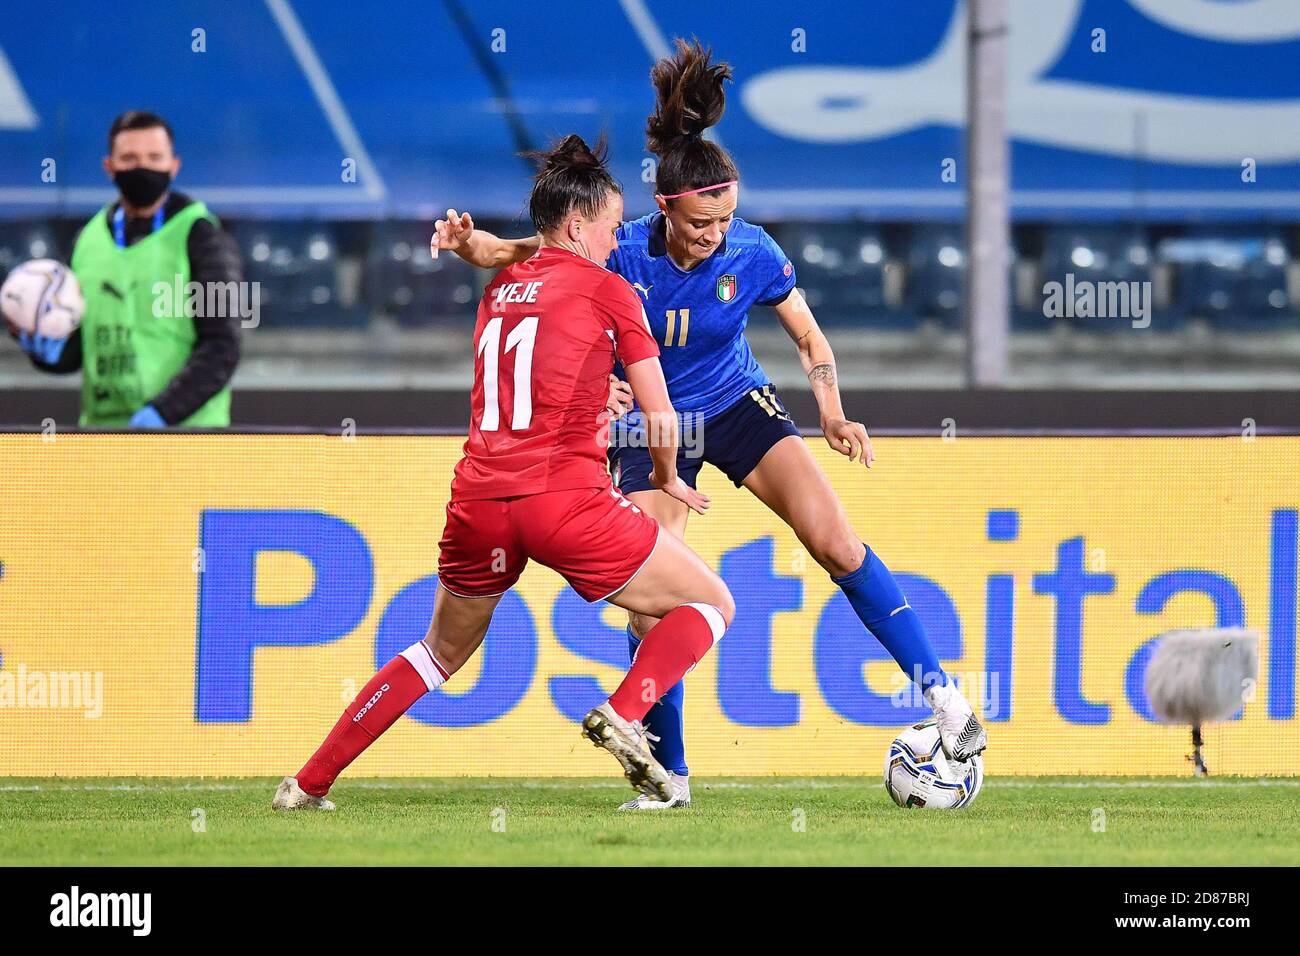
<point x="42" y="347"/>
<point x="147" y="417"/>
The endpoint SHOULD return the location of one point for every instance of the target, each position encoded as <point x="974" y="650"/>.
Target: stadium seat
<point x="404" y="281"/>
<point x="1232" y="278"/>
<point x="1027" y="313"/>
<point x="297" y="267"/>
<point x="27" y="240"/>
<point x="936" y="273"/>
<point x="1103" y="255"/>
<point x="841" y="268"/>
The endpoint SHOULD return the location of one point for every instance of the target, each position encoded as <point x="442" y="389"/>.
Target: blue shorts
<point x="734" y="441"/>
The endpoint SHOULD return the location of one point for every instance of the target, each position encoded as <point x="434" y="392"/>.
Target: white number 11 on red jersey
<point x="521" y="338"/>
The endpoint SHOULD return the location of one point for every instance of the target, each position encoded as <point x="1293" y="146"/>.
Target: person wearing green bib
<point x="148" y="361"/>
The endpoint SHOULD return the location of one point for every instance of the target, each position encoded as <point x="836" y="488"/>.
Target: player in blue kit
<point x="698" y="270"/>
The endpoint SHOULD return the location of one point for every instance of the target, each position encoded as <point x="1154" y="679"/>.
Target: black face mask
<point x="142" y="187"/>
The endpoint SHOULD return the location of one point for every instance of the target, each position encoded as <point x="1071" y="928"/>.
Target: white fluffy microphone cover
<point x="1200" y="676"/>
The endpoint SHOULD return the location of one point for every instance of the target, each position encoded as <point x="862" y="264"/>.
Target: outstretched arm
<point x="457" y="234"/>
<point x="660" y="420"/>
<point x="846" y="437"/>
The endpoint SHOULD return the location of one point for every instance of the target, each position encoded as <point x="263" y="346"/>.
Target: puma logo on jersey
<point x="516" y="292"/>
<point x="643" y="289"/>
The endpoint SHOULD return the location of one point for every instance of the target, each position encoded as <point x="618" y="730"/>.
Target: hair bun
<point x="690" y="96"/>
<point x="570" y="175"/>
<point x="572" y="152"/>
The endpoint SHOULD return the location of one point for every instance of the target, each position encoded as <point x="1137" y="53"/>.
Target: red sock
<point x="389" y="694"/>
<point x="673" y="647"/>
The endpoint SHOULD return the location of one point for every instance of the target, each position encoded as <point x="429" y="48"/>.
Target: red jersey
<point x="548" y="333"/>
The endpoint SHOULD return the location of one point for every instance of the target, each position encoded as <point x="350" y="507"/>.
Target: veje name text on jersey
<point x="516" y="292"/>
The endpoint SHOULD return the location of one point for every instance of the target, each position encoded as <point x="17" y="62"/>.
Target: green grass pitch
<point x="748" y="821"/>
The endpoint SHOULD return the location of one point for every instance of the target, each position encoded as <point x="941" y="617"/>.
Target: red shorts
<point x="596" y="539"/>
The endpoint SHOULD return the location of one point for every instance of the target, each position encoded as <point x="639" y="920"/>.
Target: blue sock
<point x="876" y="598"/>
<point x="665" y="721"/>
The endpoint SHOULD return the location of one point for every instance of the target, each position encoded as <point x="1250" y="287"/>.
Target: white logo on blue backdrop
<point x="809" y="103"/>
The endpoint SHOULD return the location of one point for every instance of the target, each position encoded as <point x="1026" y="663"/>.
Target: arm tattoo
<point x="822" y="373"/>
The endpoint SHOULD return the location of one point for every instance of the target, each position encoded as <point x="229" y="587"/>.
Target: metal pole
<point x="988" y="231"/>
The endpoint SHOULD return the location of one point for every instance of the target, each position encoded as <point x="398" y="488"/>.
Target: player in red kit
<point x="533" y="484"/>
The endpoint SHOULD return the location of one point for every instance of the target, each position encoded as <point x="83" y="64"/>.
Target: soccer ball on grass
<point x="917" y="774"/>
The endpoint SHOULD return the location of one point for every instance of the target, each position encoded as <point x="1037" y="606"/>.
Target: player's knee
<point x="725" y="603"/>
<point x="711" y="591"/>
<point x="717" y="616"/>
<point x="839" y="554"/>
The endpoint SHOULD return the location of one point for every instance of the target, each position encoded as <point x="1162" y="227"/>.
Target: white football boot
<point x="681" y="796"/>
<point x="290" y="796"/>
<point x="960" y="731"/>
<point x="626" y="740"/>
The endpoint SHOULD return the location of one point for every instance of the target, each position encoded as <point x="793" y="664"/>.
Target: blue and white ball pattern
<point x="42" y="297"/>
<point x="917" y="774"/>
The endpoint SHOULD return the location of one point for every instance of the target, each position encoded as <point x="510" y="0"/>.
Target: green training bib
<point x="136" y="334"/>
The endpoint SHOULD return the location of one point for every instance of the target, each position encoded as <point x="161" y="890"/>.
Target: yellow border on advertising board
<point x="99" y="546"/>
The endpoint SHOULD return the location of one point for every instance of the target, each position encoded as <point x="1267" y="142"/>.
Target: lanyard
<point x="119" y="225"/>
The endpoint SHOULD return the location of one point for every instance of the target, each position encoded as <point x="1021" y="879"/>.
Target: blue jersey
<point x="699" y="317"/>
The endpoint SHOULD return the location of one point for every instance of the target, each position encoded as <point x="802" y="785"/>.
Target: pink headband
<point x="702" y="189"/>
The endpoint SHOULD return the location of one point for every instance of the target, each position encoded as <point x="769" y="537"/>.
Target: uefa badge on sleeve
<point x="726" y="288"/>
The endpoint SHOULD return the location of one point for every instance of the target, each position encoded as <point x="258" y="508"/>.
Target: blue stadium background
<point x="842" y="118"/>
